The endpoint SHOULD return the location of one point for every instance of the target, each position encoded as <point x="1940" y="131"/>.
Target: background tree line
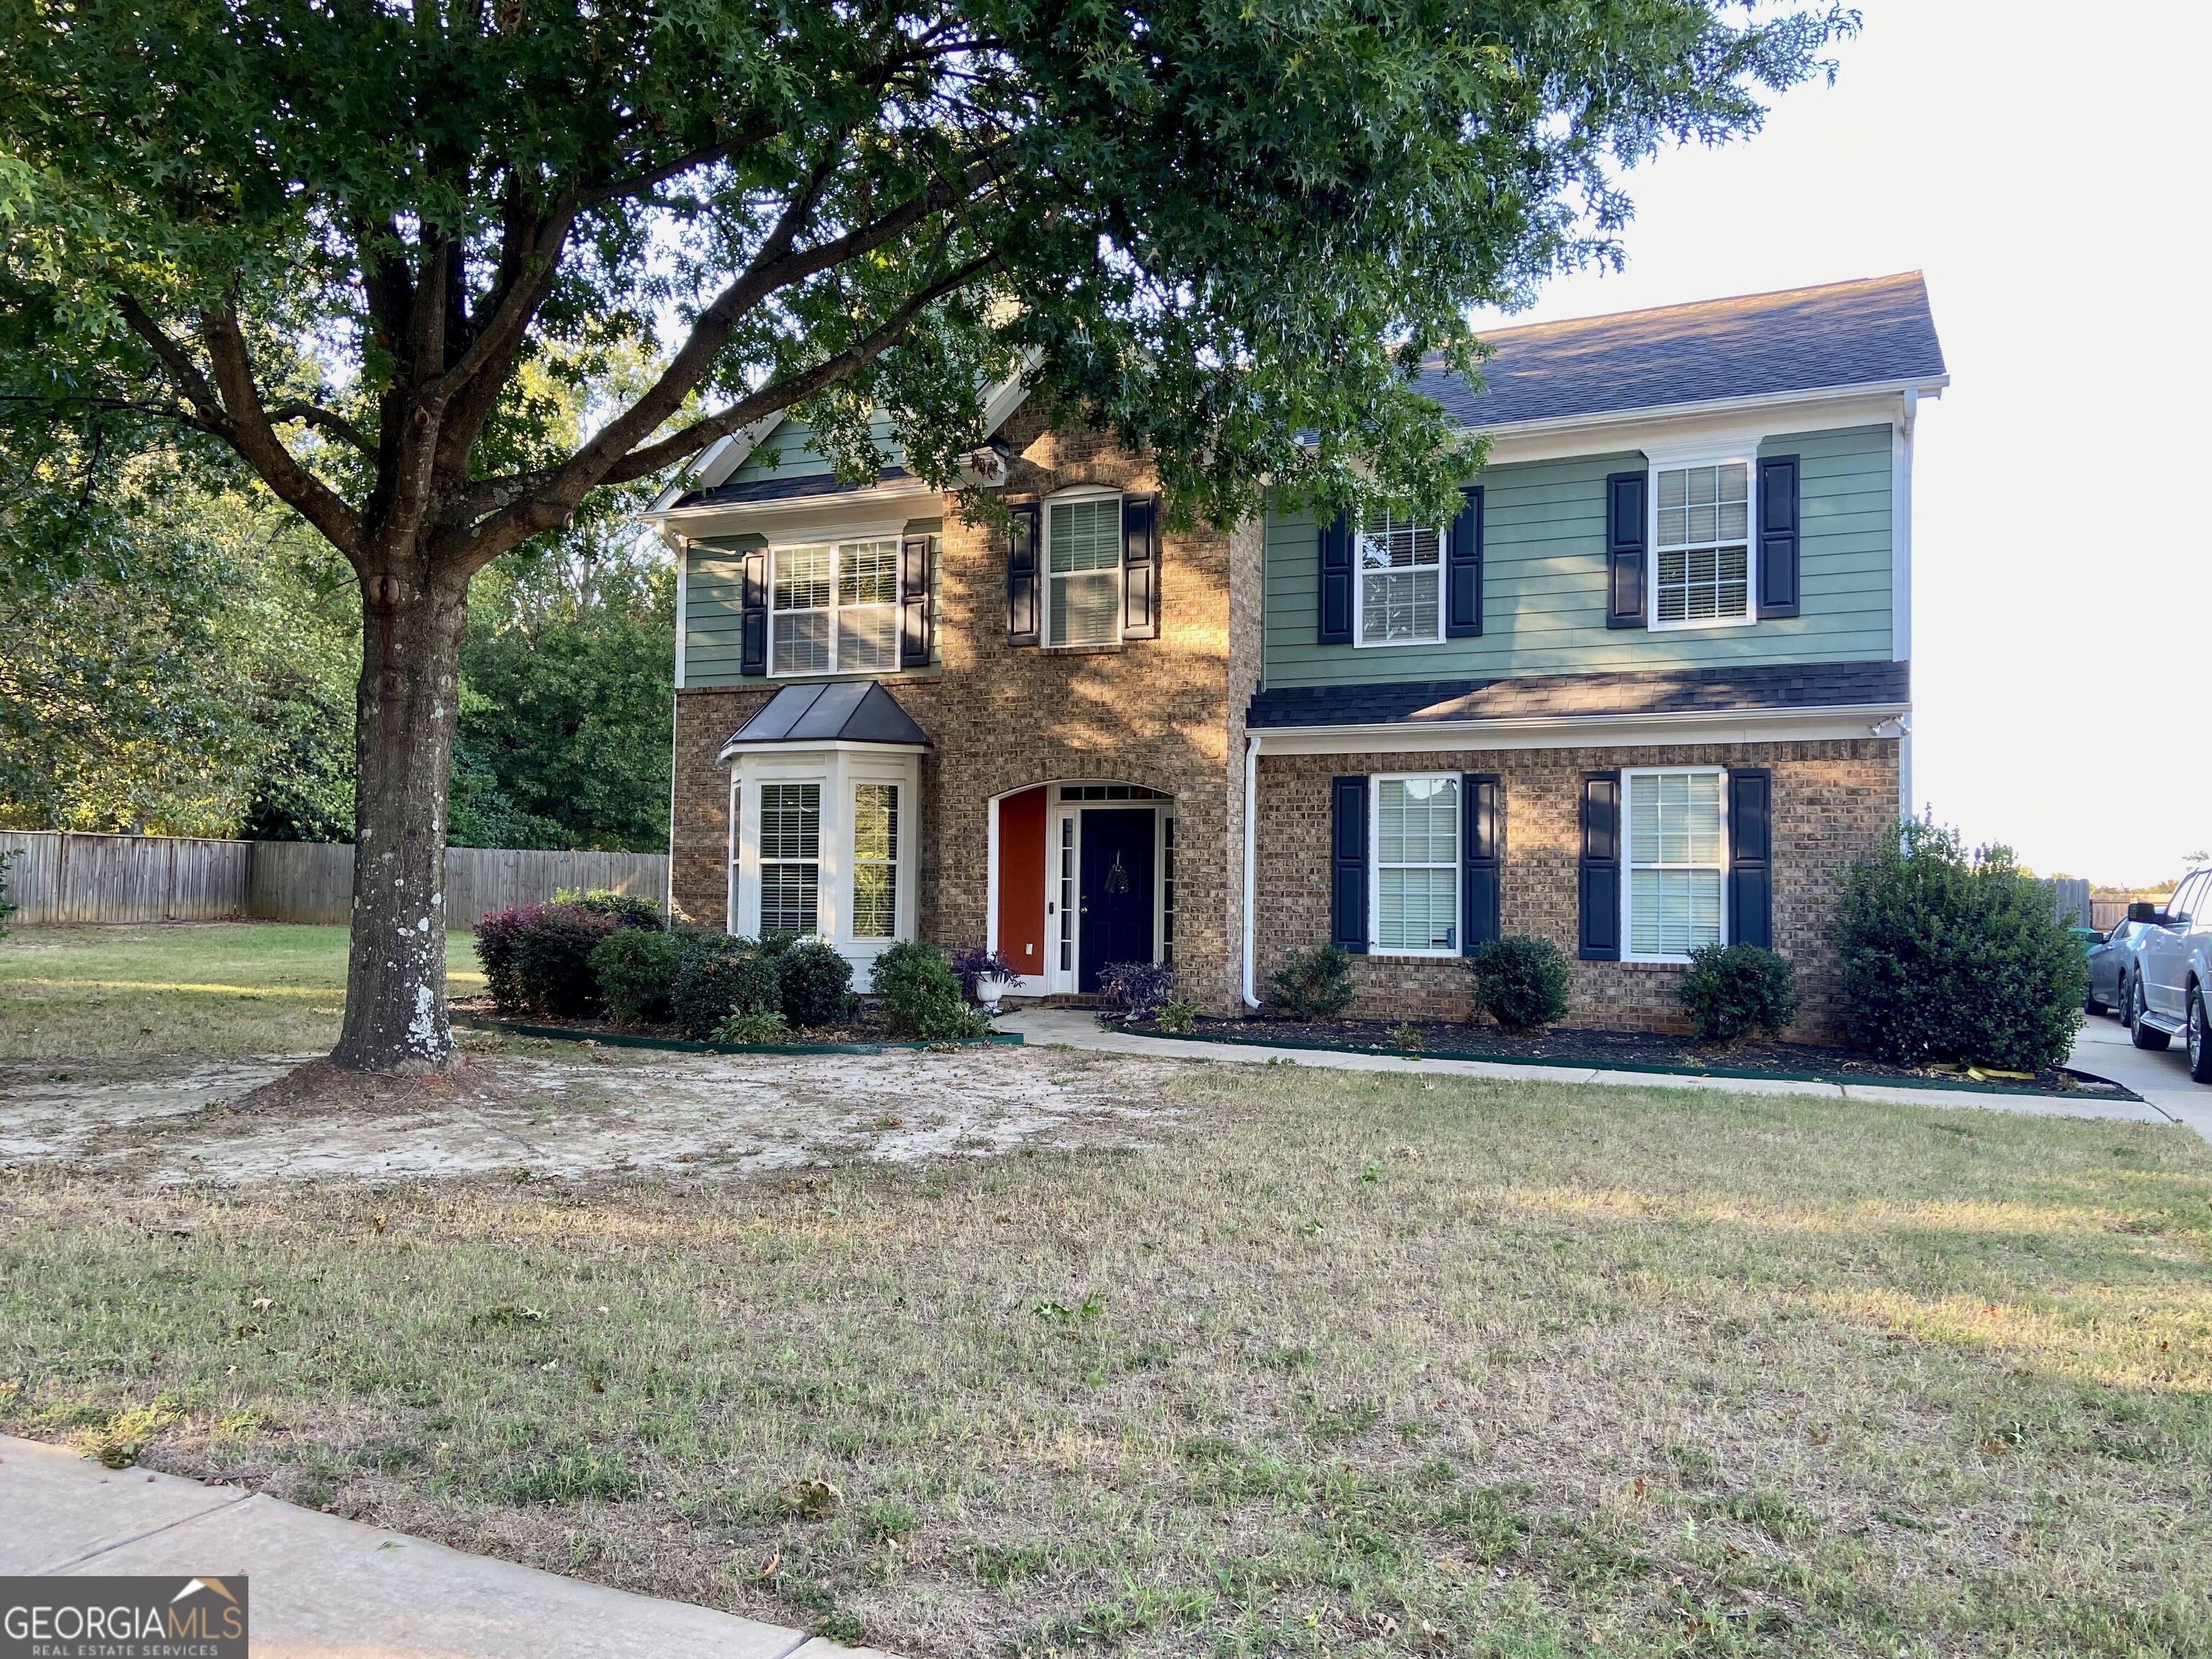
<point x="180" y="658"/>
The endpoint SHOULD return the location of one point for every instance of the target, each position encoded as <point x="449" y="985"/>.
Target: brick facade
<point x="1832" y="802"/>
<point x="1166" y="714"/>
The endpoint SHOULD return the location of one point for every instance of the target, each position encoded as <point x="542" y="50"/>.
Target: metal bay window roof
<point x="827" y="712"/>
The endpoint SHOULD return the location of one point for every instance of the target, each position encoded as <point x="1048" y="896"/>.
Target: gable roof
<point x="836" y="711"/>
<point x="1875" y="333"/>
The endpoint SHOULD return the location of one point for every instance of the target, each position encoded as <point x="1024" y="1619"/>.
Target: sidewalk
<point x="324" y="1588"/>
<point x="1077" y="1029"/>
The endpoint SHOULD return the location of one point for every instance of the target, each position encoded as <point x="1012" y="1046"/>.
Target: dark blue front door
<point x="1116" y="890"/>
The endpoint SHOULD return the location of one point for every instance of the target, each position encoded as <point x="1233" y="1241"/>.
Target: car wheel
<point x="2200" y="1040"/>
<point x="2142" y="1035"/>
<point x="2120" y="998"/>
<point x="2089" y="1003"/>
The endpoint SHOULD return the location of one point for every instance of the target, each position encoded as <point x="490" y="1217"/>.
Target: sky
<point x="2045" y="166"/>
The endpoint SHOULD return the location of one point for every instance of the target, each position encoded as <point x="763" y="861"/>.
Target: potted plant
<point x="986" y="976"/>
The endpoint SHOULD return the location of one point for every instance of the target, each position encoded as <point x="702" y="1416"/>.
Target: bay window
<point x="790" y="857"/>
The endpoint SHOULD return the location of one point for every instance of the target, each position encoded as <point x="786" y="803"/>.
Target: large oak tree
<point x="337" y="242"/>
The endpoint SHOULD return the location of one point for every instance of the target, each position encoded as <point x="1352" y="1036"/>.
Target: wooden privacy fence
<point x="55" y="877"/>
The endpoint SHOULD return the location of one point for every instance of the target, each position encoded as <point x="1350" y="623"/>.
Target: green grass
<point x="184" y="987"/>
<point x="1338" y="1364"/>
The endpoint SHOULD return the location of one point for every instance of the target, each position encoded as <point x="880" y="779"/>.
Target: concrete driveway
<point x="2103" y="1051"/>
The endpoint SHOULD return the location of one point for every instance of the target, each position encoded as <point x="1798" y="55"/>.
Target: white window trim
<point x="1375" y="946"/>
<point x="824" y="860"/>
<point x="1359" y="639"/>
<point x="1064" y="498"/>
<point x="902" y="831"/>
<point x="1628" y="778"/>
<point x="837" y="540"/>
<point x="1660" y="463"/>
<point x="839" y="770"/>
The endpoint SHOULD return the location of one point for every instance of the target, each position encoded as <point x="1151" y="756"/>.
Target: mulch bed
<point x="1627" y="1050"/>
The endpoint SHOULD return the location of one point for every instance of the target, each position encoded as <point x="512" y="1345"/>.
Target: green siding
<point x="1544" y="580"/>
<point x="714" y="606"/>
<point x="714" y="611"/>
<point x="789" y="453"/>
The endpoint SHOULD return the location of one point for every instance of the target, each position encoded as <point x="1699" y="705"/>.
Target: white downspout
<point x="1251" y="839"/>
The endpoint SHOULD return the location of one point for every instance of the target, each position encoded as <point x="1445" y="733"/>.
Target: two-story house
<point x="1649" y="688"/>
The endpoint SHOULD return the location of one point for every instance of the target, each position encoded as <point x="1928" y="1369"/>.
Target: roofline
<point x="897" y="489"/>
<point x="1929" y="386"/>
<point x="813" y="746"/>
<point x="1567" y="730"/>
<point x="1916" y="274"/>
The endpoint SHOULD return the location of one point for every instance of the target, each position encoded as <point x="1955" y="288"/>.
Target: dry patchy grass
<point x="1343" y="1364"/>
<point x="107" y="993"/>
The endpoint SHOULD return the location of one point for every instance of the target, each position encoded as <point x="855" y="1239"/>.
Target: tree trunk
<point x="395" y="1012"/>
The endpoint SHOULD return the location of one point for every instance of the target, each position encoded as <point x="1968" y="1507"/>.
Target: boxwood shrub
<point x="1520" y="982"/>
<point x="818" y="983"/>
<point x="1314" y="984"/>
<point x="1732" y="990"/>
<point x="635" y="968"/>
<point x="718" y="977"/>
<point x="921" y="994"/>
<point x="1952" y="956"/>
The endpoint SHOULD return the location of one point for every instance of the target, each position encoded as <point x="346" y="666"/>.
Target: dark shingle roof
<point x="835" y="711"/>
<point x="780" y="488"/>
<point x="1875" y="331"/>
<point x="1536" y="696"/>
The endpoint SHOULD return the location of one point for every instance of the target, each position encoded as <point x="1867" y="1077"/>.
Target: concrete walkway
<point x="323" y="1588"/>
<point x="1079" y="1028"/>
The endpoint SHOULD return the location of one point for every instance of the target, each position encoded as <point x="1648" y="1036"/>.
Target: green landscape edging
<point x="1838" y="1080"/>
<point x="685" y="1046"/>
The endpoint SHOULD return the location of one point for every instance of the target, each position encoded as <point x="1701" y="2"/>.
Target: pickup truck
<point x="2173" y="975"/>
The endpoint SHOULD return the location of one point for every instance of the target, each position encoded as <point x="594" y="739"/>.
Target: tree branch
<point x="248" y="429"/>
<point x="328" y="420"/>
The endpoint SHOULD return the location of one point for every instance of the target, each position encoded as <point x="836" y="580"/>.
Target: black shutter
<point x="754" y="593"/>
<point x="1140" y="567"/>
<point x="1348" y="885"/>
<point x="1778" y="536"/>
<point x="1022" y="581"/>
<point x="1336" y="581"/>
<point x="1751" y="849"/>
<point x="1625" y="495"/>
<point x="1601" y="867"/>
<point x="914" y="601"/>
<point x="1463" y="613"/>
<point x="1482" y="859"/>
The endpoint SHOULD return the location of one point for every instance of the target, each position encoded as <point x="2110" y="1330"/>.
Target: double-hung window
<point x="1677" y="857"/>
<point x="790" y="857"/>
<point x="1082" y="565"/>
<point x="1701" y="543"/>
<point x="835" y="608"/>
<point x="1400" y="581"/>
<point x="1416" y="865"/>
<point x="875" y="860"/>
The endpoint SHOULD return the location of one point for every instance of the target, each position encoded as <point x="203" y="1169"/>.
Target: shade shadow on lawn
<point x="1343" y="1364"/>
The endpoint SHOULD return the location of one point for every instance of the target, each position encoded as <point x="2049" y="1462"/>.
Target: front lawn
<point x="1339" y="1364"/>
<point x="182" y="988"/>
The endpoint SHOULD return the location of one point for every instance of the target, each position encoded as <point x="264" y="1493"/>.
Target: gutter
<point x="1929" y="386"/>
<point x="1476" y="734"/>
<point x="1251" y="841"/>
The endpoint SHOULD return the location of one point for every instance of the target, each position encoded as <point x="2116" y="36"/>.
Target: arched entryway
<point x="1082" y="874"/>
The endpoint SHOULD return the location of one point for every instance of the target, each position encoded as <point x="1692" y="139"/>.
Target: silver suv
<point x="2173" y="975"/>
